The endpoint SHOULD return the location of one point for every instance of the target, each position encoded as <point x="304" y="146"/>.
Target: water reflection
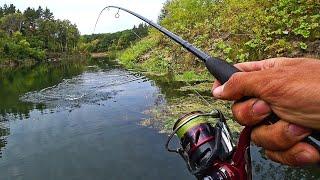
<point x="16" y="82"/>
<point x="94" y="103"/>
<point x="4" y="132"/>
<point x="265" y="169"/>
<point x="86" y="127"/>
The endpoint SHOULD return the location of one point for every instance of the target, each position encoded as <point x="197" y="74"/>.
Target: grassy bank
<point x="164" y="116"/>
<point x="234" y="30"/>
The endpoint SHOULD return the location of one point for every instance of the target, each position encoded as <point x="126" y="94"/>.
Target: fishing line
<point x="219" y="68"/>
<point x="201" y="98"/>
<point x="136" y="34"/>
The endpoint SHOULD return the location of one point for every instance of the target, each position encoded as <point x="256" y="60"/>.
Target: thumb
<point x="239" y="85"/>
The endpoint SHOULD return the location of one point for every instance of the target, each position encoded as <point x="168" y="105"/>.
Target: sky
<point x="85" y="12"/>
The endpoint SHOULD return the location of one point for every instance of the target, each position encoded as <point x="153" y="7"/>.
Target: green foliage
<point x="192" y="76"/>
<point x="303" y="45"/>
<point x="156" y="64"/>
<point x="113" y="41"/>
<point x="234" y="30"/>
<point x="130" y="56"/>
<point x="34" y="34"/>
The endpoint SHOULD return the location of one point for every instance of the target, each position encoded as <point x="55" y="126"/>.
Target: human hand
<point x="290" y="87"/>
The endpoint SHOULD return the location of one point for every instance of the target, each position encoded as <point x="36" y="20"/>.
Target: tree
<point x="48" y="30"/>
<point x="9" y="10"/>
<point x="12" y="22"/>
<point x="34" y="34"/>
<point x="47" y="14"/>
<point x="31" y="16"/>
<point x="39" y="12"/>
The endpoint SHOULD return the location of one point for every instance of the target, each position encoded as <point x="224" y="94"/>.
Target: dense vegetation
<point x="234" y="30"/>
<point x="113" y="42"/>
<point x="34" y="34"/>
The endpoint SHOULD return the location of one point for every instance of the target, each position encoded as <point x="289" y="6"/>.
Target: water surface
<point x="80" y="120"/>
<point x="83" y="125"/>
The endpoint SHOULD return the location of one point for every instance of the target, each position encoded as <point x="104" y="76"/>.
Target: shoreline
<point x="182" y="99"/>
<point x="185" y="98"/>
<point x="16" y="64"/>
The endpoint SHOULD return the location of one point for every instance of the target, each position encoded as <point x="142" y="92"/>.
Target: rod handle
<point x="222" y="71"/>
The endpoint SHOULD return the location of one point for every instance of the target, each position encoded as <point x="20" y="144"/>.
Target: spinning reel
<point x="209" y="151"/>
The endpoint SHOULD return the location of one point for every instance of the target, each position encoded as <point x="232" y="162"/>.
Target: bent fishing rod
<point x="222" y="71"/>
<point x="217" y="67"/>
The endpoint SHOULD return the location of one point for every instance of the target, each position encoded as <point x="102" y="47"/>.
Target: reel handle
<point x="222" y="71"/>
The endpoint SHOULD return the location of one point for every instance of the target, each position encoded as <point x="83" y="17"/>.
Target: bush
<point x="18" y="48"/>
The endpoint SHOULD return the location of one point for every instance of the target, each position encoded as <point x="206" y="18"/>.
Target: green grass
<point x="130" y="56"/>
<point x="156" y="65"/>
<point x="193" y="76"/>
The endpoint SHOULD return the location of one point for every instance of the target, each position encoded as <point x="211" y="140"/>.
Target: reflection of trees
<point x="16" y="82"/>
<point x="4" y="132"/>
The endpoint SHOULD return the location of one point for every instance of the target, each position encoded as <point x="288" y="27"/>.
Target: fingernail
<point x="218" y="91"/>
<point x="303" y="157"/>
<point x="260" y="108"/>
<point x="295" y="130"/>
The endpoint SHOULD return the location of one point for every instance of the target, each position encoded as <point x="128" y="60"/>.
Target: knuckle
<point x="288" y="159"/>
<point x="234" y="79"/>
<point x="242" y="112"/>
<point x="270" y="63"/>
<point x="279" y="139"/>
<point x="278" y="143"/>
<point x="271" y="137"/>
<point x="231" y="88"/>
<point x="283" y="140"/>
<point x="282" y="157"/>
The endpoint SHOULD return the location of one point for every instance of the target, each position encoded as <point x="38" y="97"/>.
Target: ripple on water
<point x="87" y="88"/>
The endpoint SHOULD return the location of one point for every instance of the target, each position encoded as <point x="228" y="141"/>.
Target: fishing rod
<point x="220" y="69"/>
<point x="209" y="151"/>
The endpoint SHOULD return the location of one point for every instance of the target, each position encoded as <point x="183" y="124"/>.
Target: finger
<point x="250" y="66"/>
<point x="279" y="136"/>
<point x="246" y="67"/>
<point x="254" y="83"/>
<point x="215" y="85"/>
<point x="250" y="112"/>
<point x="265" y="64"/>
<point x="240" y="84"/>
<point x="299" y="155"/>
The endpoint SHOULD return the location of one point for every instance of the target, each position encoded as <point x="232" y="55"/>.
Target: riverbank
<point x="182" y="85"/>
<point x="181" y="94"/>
<point x="235" y="37"/>
<point x="165" y="115"/>
<point x="50" y="58"/>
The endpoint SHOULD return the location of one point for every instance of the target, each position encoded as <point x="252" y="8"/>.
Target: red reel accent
<point x="239" y="160"/>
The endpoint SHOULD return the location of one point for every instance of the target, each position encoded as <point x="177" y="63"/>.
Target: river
<point x="81" y="120"/>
